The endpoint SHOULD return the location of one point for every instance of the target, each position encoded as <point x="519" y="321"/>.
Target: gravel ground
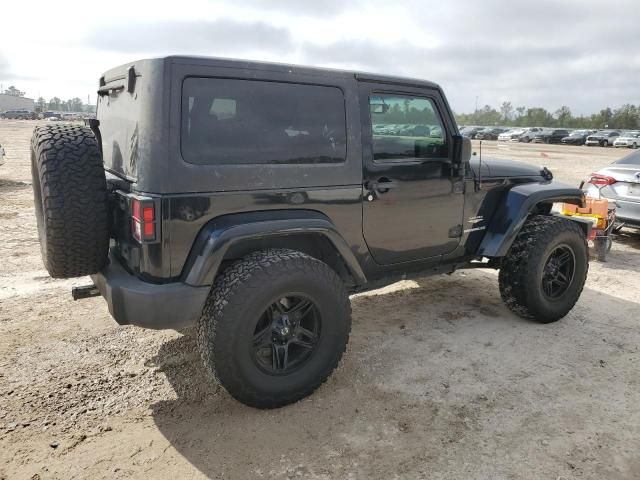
<point x="439" y="381"/>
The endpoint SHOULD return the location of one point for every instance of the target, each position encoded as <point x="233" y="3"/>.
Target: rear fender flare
<point x="219" y="235"/>
<point x="513" y="211"/>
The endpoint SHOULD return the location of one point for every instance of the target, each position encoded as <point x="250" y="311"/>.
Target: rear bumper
<point x="133" y="301"/>
<point x="628" y="212"/>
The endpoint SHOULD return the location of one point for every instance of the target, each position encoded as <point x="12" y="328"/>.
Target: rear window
<point x="227" y="122"/>
<point x="631" y="159"/>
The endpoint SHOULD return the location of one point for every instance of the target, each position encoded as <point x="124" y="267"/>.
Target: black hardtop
<point x="118" y="72"/>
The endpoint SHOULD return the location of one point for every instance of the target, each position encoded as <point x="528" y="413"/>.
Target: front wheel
<point x="274" y="327"/>
<point x="543" y="275"/>
<point x="605" y="143"/>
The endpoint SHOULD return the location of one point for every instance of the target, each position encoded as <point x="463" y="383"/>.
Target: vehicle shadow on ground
<point x="628" y="237"/>
<point x="6" y="184"/>
<point x="386" y="408"/>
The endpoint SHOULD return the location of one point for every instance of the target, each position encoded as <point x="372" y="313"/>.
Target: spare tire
<point x="70" y="195"/>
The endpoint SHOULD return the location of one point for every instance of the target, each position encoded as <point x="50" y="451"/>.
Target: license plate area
<point x="634" y="190"/>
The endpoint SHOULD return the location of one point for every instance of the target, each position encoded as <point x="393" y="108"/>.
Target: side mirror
<point x="379" y="108"/>
<point x="461" y="149"/>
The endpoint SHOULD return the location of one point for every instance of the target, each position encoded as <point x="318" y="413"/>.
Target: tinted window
<point x="228" y="121"/>
<point x="405" y="127"/>
<point x="631" y="159"/>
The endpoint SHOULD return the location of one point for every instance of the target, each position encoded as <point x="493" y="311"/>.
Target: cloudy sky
<point x="584" y="54"/>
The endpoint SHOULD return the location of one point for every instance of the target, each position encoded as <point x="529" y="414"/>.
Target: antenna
<point x="480" y="168"/>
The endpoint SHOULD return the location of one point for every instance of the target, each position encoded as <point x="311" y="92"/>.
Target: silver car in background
<point x="619" y="182"/>
<point x="519" y="134"/>
<point x="628" y="139"/>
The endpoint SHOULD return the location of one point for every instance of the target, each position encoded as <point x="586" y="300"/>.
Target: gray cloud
<point x="546" y="53"/>
<point x="4" y="67"/>
<point x="8" y="75"/>
<point x="542" y="53"/>
<point x="218" y="37"/>
<point x="325" y="8"/>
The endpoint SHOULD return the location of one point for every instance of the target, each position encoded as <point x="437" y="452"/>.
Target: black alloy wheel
<point x="274" y="327"/>
<point x="558" y="272"/>
<point x="286" y="335"/>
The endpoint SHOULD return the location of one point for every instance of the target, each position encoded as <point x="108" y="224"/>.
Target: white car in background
<point x="628" y="139"/>
<point x="519" y="134"/>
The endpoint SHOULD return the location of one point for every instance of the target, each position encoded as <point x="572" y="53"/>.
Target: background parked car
<point x="49" y="114"/>
<point x="54" y="117"/>
<point x="620" y="181"/>
<point x="577" y="137"/>
<point x="519" y="134"/>
<point x="550" y="135"/>
<point x="471" y="131"/>
<point x="602" y="138"/>
<point x="510" y="134"/>
<point x="629" y="139"/>
<point x="490" y="133"/>
<point x="19" y="115"/>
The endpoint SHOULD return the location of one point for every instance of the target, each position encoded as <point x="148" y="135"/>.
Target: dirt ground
<point x="439" y="381"/>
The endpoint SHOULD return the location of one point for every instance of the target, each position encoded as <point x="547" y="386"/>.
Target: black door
<point x="413" y="193"/>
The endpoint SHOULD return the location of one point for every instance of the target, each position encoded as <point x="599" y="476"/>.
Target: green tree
<point x="55" y="104"/>
<point x="563" y="116"/>
<point x="602" y="119"/>
<point x="627" y="116"/>
<point x="75" y="104"/>
<point x="537" y="117"/>
<point x="506" y="110"/>
<point x="14" y="92"/>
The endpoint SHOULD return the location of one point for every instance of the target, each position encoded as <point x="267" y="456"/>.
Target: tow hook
<point x="86" y="291"/>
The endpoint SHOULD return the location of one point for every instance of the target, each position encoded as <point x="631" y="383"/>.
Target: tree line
<point x="70" y="105"/>
<point x="625" y="117"/>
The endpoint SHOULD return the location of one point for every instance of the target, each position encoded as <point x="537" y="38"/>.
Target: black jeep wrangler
<point x="253" y="198"/>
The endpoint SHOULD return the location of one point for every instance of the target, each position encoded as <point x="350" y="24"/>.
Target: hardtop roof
<point x="273" y="67"/>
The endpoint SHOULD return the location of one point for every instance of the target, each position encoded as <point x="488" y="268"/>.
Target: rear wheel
<point x="543" y="274"/>
<point x="274" y="327"/>
<point x="605" y="143"/>
<point x="70" y="196"/>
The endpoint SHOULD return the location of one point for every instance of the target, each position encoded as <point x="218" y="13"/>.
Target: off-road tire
<point x="520" y="277"/>
<point x="239" y="296"/>
<point x="70" y="196"/>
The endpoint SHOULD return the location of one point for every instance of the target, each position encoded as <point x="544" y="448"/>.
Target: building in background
<point x="13" y="102"/>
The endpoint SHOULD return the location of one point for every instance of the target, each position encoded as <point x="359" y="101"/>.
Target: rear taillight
<point x="143" y="219"/>
<point x="601" y="180"/>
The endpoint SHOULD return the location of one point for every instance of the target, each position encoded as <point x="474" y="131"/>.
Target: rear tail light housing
<point x="144" y="219"/>
<point x="601" y="180"/>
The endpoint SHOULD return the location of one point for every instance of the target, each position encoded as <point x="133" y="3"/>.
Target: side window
<point x="405" y="127"/>
<point x="230" y="122"/>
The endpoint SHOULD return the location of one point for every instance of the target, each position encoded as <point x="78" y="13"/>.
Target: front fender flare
<point x="220" y="234"/>
<point x="514" y="209"/>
